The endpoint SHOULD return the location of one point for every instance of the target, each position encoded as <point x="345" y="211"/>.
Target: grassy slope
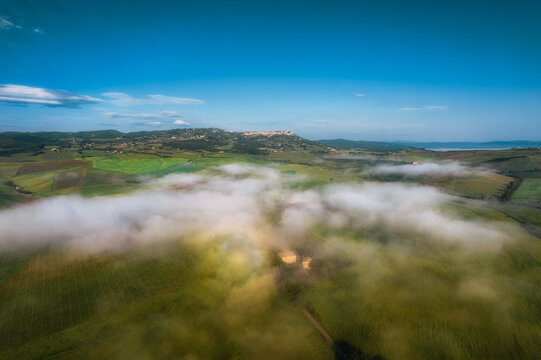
<point x="430" y="306"/>
<point x="136" y="306"/>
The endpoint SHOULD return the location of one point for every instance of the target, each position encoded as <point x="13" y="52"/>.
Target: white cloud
<point x="170" y="113"/>
<point x="142" y="116"/>
<point x="358" y="94"/>
<point x="5" y="24"/>
<point x="12" y="93"/>
<point x="397" y="207"/>
<point x="162" y="99"/>
<point x="152" y="119"/>
<point x="380" y="238"/>
<point x="237" y="199"/>
<point x="123" y="99"/>
<point x="21" y="94"/>
<point x="116" y="115"/>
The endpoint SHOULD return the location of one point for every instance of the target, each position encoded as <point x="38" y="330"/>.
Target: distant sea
<point x="466" y="145"/>
<point x="467" y="149"/>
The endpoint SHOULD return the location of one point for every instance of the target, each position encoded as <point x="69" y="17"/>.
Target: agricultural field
<point x="196" y="254"/>
<point x="529" y="191"/>
<point x="133" y="164"/>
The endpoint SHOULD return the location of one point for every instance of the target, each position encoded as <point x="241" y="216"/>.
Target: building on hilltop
<point x="267" y="133"/>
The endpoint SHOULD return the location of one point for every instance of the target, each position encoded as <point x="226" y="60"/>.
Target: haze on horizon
<point x="387" y="70"/>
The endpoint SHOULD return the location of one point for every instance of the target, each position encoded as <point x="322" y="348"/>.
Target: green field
<point x="529" y="191"/>
<point x="131" y="164"/>
<point x="60" y="306"/>
<point x="387" y="289"/>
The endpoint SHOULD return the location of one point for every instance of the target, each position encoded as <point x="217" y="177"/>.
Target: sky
<point x="360" y="70"/>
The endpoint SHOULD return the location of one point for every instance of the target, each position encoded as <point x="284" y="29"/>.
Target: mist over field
<point x="381" y="255"/>
<point x="430" y="170"/>
<point x="225" y="256"/>
<point x="242" y="199"/>
<point x="395" y="247"/>
<point x="209" y="180"/>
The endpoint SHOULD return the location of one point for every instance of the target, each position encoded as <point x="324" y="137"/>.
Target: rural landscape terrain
<point x="209" y="244"/>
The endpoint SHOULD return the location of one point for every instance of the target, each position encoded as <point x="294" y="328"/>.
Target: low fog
<point x="432" y="170"/>
<point x="388" y="262"/>
<point x="242" y="200"/>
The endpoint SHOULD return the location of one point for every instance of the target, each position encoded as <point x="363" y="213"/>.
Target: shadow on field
<point x="345" y="351"/>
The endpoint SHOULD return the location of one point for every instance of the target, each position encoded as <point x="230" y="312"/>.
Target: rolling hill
<point x="201" y="139"/>
<point x="376" y="146"/>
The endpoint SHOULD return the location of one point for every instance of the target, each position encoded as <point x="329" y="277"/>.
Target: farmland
<point x="125" y="251"/>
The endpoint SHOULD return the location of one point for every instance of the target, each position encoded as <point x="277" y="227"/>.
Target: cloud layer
<point x="5" y="24"/>
<point x="20" y="94"/>
<point x="152" y="119"/>
<point x="240" y="199"/>
<point x="123" y="99"/>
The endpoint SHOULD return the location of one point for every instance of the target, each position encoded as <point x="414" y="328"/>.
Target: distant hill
<point x="375" y="146"/>
<point x="195" y="139"/>
<point x="465" y="145"/>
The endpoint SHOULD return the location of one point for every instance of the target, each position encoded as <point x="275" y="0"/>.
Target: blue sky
<point x="385" y="70"/>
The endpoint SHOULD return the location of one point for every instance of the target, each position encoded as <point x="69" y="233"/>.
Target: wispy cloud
<point x="162" y="99"/>
<point x="435" y="107"/>
<point x="123" y="99"/>
<point x="153" y="119"/>
<point x="5" y="24"/>
<point x="358" y="94"/>
<point x="426" y="107"/>
<point x="166" y="113"/>
<point x="21" y="94"/>
<point x="147" y="116"/>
